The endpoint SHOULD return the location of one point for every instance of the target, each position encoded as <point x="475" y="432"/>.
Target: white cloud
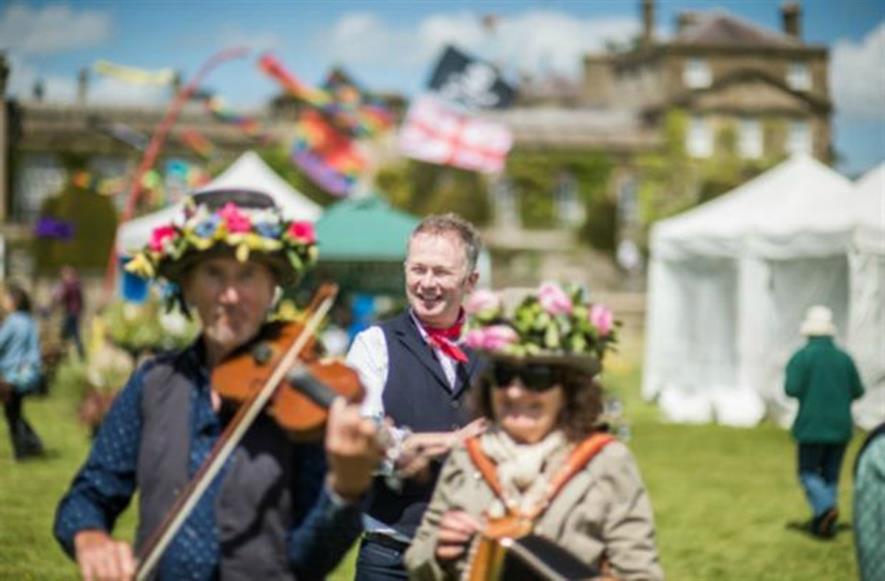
<point x="531" y="41"/>
<point x="108" y="91"/>
<point x="51" y="29"/>
<point x="857" y="76"/>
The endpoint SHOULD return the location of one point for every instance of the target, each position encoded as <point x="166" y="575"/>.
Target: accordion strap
<point x="577" y="460"/>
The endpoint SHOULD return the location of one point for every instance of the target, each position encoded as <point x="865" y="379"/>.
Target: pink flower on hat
<point x="602" y="318"/>
<point x="492" y="338"/>
<point x="159" y="236"/>
<point x="303" y="232"/>
<point x="482" y="301"/>
<point x="554" y="300"/>
<point x="236" y="221"/>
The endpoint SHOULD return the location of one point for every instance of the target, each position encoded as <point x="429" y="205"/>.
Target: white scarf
<point x="524" y="470"/>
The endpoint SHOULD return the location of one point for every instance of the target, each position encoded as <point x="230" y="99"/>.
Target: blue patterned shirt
<point x="324" y="529"/>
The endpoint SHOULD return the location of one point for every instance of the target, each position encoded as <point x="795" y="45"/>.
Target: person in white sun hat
<point x="825" y="381"/>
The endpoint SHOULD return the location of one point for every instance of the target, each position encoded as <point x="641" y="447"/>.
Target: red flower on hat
<point x="159" y="236"/>
<point x="236" y="221"/>
<point x="303" y="232"/>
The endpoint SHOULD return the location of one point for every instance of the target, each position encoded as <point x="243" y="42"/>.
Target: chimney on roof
<point x="38" y="90"/>
<point x="685" y="20"/>
<point x="648" y="21"/>
<point x="4" y="73"/>
<point x="791" y="14"/>
<point x="82" y="86"/>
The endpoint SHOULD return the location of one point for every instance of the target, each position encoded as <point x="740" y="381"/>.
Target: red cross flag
<point x="438" y="133"/>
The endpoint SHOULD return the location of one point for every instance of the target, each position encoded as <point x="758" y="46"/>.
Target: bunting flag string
<point x="249" y="125"/>
<point x="133" y="75"/>
<point x="199" y="144"/>
<point x="122" y="133"/>
<point x="341" y="101"/>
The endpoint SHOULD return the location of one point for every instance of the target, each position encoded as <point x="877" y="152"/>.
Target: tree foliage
<point x="422" y="188"/>
<point x="537" y="174"/>
<point x="94" y="222"/>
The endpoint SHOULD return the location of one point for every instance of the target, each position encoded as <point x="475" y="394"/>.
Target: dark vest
<point x="254" y="506"/>
<point x="417" y="396"/>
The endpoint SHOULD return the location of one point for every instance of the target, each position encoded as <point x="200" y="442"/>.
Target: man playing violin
<point x="277" y="509"/>
<point x="417" y="373"/>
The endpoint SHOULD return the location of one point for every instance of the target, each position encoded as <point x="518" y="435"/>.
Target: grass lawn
<point x="727" y="501"/>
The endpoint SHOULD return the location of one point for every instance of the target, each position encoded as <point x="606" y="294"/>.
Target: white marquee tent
<point x="866" y="337"/>
<point x="248" y="172"/>
<point x="729" y="283"/>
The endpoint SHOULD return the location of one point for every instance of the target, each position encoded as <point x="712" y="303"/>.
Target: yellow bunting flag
<point x="133" y="75"/>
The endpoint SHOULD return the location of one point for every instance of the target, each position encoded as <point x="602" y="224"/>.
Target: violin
<point x="280" y="373"/>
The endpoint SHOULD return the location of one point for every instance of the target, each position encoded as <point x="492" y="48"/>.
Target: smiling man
<point x="416" y="373"/>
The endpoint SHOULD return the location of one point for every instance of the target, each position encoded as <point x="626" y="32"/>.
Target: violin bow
<point x="233" y="433"/>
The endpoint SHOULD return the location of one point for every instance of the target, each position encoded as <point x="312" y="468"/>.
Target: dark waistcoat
<point x="253" y="508"/>
<point x="417" y="396"/>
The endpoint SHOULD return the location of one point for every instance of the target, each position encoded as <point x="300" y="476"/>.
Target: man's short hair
<point x="452" y="223"/>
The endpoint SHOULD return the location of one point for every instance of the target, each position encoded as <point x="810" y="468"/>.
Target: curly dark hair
<point x="19" y="297"/>
<point x="582" y="402"/>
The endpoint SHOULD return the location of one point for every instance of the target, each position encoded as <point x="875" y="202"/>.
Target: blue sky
<point x="391" y="45"/>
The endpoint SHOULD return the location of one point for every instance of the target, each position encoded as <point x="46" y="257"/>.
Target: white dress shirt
<point x="368" y="356"/>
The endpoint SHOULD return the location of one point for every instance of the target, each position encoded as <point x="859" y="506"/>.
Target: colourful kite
<point x="329" y="158"/>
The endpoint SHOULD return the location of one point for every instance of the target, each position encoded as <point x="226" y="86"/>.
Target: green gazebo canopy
<point x="364" y="230"/>
<point x="362" y="245"/>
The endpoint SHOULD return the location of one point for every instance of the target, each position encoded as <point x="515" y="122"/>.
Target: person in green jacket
<point x="825" y="381"/>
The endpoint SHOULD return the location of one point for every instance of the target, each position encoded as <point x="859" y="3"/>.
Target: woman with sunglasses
<point x="546" y="467"/>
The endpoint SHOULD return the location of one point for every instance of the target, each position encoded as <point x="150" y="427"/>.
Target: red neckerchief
<point x="444" y="339"/>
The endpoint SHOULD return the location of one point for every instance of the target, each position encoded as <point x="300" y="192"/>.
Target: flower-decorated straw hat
<point x="550" y="326"/>
<point x="241" y="223"/>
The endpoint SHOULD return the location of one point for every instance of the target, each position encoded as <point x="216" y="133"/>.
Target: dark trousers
<point x="819" y="466"/>
<point x="70" y="330"/>
<point x="25" y="441"/>
<point x="379" y="562"/>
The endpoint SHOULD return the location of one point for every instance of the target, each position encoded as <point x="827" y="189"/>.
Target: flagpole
<point x="156" y="144"/>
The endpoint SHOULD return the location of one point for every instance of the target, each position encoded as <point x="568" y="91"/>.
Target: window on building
<point x="750" y="138"/>
<point x="799" y="139"/>
<point x="798" y="76"/>
<point x="699" y="139"/>
<point x="569" y="209"/>
<point x="697" y="74"/>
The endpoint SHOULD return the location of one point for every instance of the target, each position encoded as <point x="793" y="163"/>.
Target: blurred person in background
<point x="20" y="368"/>
<point x="825" y="381"/>
<point x="546" y="465"/>
<point x="869" y="506"/>
<point x="417" y="372"/>
<point x="68" y="294"/>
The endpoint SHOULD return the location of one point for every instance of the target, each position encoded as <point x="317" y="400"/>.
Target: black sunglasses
<point x="533" y="377"/>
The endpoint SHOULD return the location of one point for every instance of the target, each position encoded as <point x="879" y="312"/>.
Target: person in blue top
<point x="20" y="364"/>
<point x="825" y="381"/>
<point x="278" y="509"/>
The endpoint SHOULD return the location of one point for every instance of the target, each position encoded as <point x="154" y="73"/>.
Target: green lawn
<point x="726" y="500"/>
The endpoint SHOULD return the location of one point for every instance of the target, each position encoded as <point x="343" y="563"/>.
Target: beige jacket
<point x="603" y="508"/>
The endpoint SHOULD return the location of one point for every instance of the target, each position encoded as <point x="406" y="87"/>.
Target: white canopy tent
<point x="729" y="283"/>
<point x="248" y="172"/>
<point x="866" y="336"/>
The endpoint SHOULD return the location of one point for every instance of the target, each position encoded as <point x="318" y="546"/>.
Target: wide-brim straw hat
<point x="818" y="322"/>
